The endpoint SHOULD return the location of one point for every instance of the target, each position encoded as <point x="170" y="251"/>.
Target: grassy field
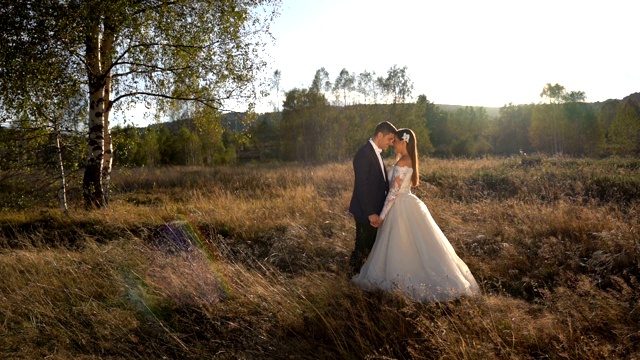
<point x="250" y="263"/>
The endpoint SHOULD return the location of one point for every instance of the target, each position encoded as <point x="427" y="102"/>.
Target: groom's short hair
<point x="385" y="127"/>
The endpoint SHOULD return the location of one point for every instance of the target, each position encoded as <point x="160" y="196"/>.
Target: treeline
<point x="329" y="120"/>
<point x="186" y="141"/>
<point x="45" y="155"/>
<point x="310" y="129"/>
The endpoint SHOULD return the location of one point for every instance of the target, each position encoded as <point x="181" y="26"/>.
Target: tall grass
<point x="250" y="262"/>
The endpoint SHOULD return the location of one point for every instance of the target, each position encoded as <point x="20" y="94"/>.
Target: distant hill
<point x="491" y="111"/>
<point x="635" y="97"/>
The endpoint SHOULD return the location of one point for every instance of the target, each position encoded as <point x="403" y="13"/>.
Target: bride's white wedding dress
<point x="411" y="254"/>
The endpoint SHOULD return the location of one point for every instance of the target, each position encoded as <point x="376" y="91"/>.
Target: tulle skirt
<point x="411" y="255"/>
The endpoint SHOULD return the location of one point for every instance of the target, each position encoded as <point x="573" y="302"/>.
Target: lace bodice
<point x="399" y="184"/>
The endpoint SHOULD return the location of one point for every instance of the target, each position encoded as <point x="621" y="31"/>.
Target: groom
<point x="369" y="191"/>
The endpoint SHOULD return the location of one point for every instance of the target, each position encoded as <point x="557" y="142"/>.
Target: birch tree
<point x="555" y="94"/>
<point x="397" y="85"/>
<point x="367" y="86"/>
<point x="344" y="83"/>
<point x="120" y="51"/>
<point x="321" y="82"/>
<point x="275" y="85"/>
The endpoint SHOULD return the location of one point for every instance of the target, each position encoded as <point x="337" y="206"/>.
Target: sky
<point x="463" y="52"/>
<point x="486" y="53"/>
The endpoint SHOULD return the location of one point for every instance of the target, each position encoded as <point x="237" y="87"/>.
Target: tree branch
<point x="151" y="69"/>
<point x="205" y="101"/>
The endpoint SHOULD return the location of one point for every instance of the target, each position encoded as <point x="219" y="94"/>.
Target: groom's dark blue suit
<point x="369" y="192"/>
<point x="370" y="186"/>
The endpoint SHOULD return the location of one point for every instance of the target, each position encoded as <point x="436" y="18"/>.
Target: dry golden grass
<point x="249" y="262"/>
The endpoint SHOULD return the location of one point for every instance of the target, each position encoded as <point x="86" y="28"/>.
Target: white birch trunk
<point x="106" y="60"/>
<point x="62" y="193"/>
<point x="92" y="182"/>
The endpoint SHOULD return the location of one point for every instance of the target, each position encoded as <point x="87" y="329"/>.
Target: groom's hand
<point x="375" y="220"/>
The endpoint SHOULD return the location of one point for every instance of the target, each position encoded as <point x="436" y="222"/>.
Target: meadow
<point x="249" y="262"/>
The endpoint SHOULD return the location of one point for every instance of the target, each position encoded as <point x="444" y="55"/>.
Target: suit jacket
<point x="370" y="186"/>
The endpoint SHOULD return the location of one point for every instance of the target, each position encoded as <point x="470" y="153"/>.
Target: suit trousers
<point x="365" y="237"/>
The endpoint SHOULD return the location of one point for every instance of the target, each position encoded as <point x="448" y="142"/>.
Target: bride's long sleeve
<point x="400" y="173"/>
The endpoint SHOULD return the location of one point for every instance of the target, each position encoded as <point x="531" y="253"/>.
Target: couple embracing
<point x="404" y="249"/>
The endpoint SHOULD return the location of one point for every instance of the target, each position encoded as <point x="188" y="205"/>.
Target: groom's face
<point x="383" y="141"/>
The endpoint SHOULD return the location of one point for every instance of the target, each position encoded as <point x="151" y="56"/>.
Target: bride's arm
<point x="400" y="174"/>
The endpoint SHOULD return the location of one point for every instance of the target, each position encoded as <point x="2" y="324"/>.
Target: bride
<point x="411" y="254"/>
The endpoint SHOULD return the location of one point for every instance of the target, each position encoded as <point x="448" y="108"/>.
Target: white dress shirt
<point x="379" y="152"/>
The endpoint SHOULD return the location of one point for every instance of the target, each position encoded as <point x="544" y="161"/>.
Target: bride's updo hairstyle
<point x="412" y="149"/>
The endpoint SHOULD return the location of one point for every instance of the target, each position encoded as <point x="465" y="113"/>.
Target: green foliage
<point x="34" y="156"/>
<point x="439" y="133"/>
<point x="511" y="129"/>
<point x="127" y="142"/>
<point x="188" y="147"/>
<point x="625" y="128"/>
<point x="344" y="84"/>
<point x="205" y="51"/>
<point x="303" y="121"/>
<point x="564" y="126"/>
<point x="311" y="130"/>
<point x="605" y="117"/>
<point x="418" y="121"/>
<point x="397" y="85"/>
<point x="567" y="125"/>
<point x="471" y="146"/>
<point x="183" y="142"/>
<point x="581" y="129"/>
<point x="555" y="94"/>
<point x="207" y="127"/>
<point x="545" y="128"/>
<point x="468" y="130"/>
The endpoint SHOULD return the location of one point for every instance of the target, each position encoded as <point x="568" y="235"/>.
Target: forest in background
<point x="323" y="123"/>
<point x="311" y="130"/>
